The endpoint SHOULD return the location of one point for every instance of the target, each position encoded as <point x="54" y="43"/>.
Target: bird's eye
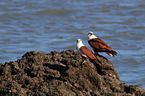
<point x="90" y="33"/>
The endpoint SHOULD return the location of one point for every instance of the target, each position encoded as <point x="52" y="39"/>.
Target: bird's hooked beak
<point x="78" y="40"/>
<point x="88" y="34"/>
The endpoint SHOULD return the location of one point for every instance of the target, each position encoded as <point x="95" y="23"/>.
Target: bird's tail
<point x="98" y="66"/>
<point x="95" y="61"/>
<point x="112" y="53"/>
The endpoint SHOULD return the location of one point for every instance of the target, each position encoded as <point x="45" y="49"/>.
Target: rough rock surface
<point x="63" y="73"/>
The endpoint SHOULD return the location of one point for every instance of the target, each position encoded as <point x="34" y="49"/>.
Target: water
<point x="54" y="25"/>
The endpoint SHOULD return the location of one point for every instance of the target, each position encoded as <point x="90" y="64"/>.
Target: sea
<point x="55" y="25"/>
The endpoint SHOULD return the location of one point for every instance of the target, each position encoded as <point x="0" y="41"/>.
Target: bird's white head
<point x="91" y="35"/>
<point x="79" y="43"/>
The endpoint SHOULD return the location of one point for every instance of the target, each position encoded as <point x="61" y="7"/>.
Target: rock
<point x="63" y="73"/>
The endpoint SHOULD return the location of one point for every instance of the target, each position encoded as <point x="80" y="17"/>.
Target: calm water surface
<point x="54" y="25"/>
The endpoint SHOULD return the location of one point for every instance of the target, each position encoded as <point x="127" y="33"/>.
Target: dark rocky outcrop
<point x="63" y="73"/>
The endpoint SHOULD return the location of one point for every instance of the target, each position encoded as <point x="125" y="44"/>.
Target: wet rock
<point x="63" y="73"/>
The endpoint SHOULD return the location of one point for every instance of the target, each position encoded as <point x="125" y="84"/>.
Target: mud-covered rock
<point x="63" y="73"/>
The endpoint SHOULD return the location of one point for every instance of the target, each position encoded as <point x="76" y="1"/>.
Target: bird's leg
<point x="85" y="58"/>
<point x="96" y="53"/>
<point x="83" y="62"/>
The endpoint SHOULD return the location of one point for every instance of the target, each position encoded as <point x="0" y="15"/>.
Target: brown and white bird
<point x="88" y="54"/>
<point x="85" y="51"/>
<point x="99" y="45"/>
